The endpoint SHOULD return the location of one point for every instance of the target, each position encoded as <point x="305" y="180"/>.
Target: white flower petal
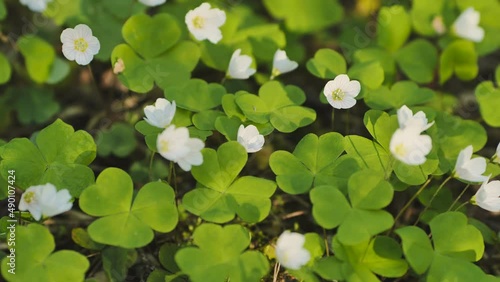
<point x="152" y="3"/>
<point x="290" y="251"/>
<point x="250" y="138"/>
<point x="467" y="25"/>
<point x="79" y="45"/>
<point x="239" y="66"/>
<point x="204" y="23"/>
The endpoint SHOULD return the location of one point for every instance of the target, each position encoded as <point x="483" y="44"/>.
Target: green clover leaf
<point x="220" y="195"/>
<point x="220" y="256"/>
<point x="315" y="161"/>
<point x="124" y="223"/>
<point x="35" y="260"/>
<point x="154" y="54"/>
<point x="58" y="155"/>
<point x="401" y="93"/>
<point x="361" y="217"/>
<point x="277" y="104"/>
<point x="456" y="244"/>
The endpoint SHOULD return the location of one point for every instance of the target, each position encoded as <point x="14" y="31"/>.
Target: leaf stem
<point x="407" y="205"/>
<point x="433" y="197"/>
<point x="151" y="166"/>
<point x="459" y="196"/>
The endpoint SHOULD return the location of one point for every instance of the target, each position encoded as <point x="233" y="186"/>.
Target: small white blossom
<point x="239" y="66"/>
<point x="406" y="119"/>
<point x="36" y="5"/>
<point x="250" y="138"/>
<point x="340" y="92"/>
<point x="204" y="23"/>
<point x="496" y="157"/>
<point x="488" y="196"/>
<point x="470" y="169"/>
<point x="174" y="144"/>
<point x="161" y="114"/>
<point x="408" y="146"/>
<point x="290" y="250"/>
<point x="152" y="3"/>
<point x="79" y="45"/>
<point x="467" y="25"/>
<point x="45" y="200"/>
<point x="281" y="64"/>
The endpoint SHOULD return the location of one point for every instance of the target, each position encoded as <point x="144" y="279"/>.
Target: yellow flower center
<point x="28" y="197"/>
<point x="81" y="45"/>
<point x="400" y="150"/>
<point x="163" y="146"/>
<point x="338" y="94"/>
<point x="198" y="22"/>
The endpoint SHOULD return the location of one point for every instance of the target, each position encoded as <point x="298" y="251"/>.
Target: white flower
<point x="470" y="169"/>
<point x="467" y="25"/>
<point x="239" y="66"/>
<point x="204" y="23"/>
<point x="250" y="138"/>
<point x="340" y="92"/>
<point x="45" y="200"/>
<point x="152" y="3"/>
<point x="281" y="64"/>
<point x="408" y="146"/>
<point x="488" y="196"/>
<point x="79" y="45"/>
<point x="175" y="145"/>
<point x="496" y="157"/>
<point x="36" y="5"/>
<point x="290" y="250"/>
<point x="161" y="114"/>
<point x="406" y="119"/>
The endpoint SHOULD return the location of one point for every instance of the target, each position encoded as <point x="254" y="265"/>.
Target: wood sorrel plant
<point x="247" y="141"/>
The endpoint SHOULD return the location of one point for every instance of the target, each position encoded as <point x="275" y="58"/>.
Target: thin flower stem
<point x="276" y="271"/>
<point x="333" y="119"/>
<point x="327" y="249"/>
<point x="151" y="166"/>
<point x="94" y="82"/>
<point x="462" y="205"/>
<point x="433" y="197"/>
<point x="170" y="169"/>
<point x="223" y="80"/>
<point x="459" y="196"/>
<point x="347" y="120"/>
<point x="405" y="207"/>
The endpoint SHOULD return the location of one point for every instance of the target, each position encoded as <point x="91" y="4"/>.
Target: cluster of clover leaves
<point x="348" y="180"/>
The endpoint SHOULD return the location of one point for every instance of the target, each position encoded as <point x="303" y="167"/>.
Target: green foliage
<point x="119" y="140"/>
<point x="327" y="63"/>
<point x="418" y="60"/>
<point x="315" y="161"/>
<point x="33" y="105"/>
<point x="39" y="56"/>
<point x="361" y="262"/>
<point x="58" y="155"/>
<point x="5" y="70"/>
<point x="402" y="93"/>
<point x="37" y="261"/>
<point x="220" y="194"/>
<point x="277" y="104"/>
<point x="126" y="223"/>
<point x="154" y="55"/>
<point x="208" y="95"/>
<point x="393" y="27"/>
<point x="488" y="96"/>
<point x="458" y="58"/>
<point x="318" y="14"/>
<point x="359" y="218"/>
<point x="220" y="255"/>
<point x="456" y="244"/>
